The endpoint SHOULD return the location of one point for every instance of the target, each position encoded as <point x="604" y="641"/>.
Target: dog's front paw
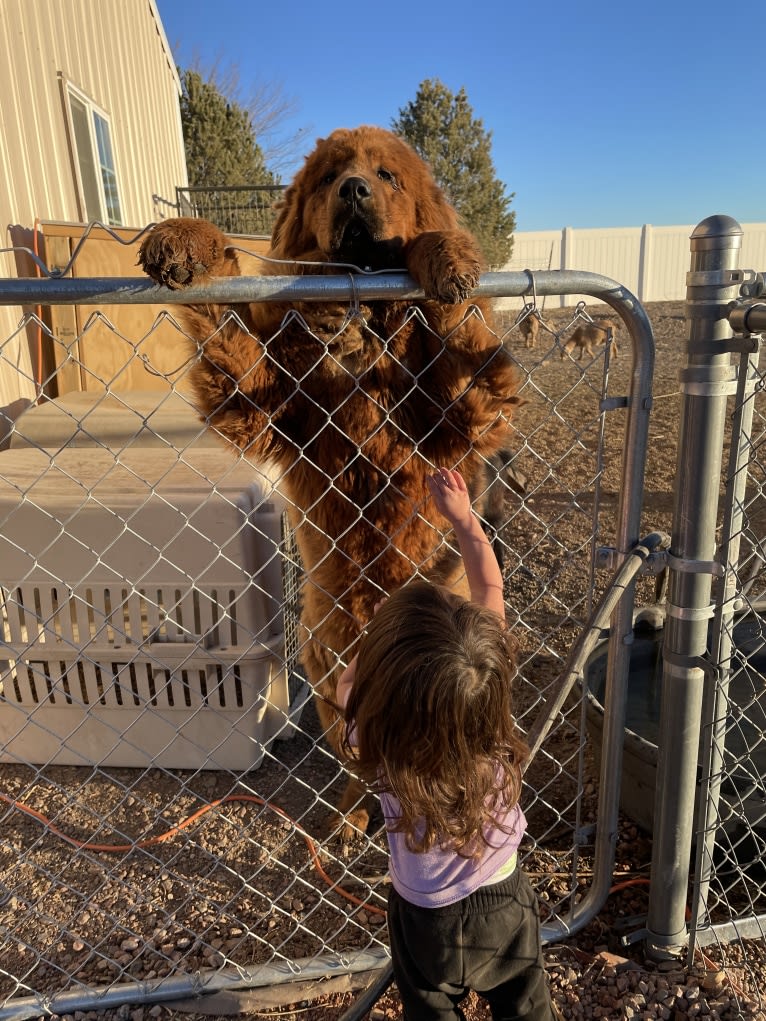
<point x="447" y="265"/>
<point x="456" y="284"/>
<point x="344" y="828"/>
<point x="180" y="252"/>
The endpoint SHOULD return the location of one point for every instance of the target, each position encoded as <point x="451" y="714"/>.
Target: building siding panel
<point x="116" y="53"/>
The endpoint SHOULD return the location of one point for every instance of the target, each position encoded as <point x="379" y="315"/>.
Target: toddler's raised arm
<point x="452" y="499"/>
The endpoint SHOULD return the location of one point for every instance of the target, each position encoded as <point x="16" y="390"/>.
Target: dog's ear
<point x="433" y="210"/>
<point x="286" y="235"/>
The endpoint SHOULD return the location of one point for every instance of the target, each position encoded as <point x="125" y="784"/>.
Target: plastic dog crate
<point x="114" y="420"/>
<point x="142" y="610"/>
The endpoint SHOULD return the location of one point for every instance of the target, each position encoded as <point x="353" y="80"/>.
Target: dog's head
<point x="359" y="197"/>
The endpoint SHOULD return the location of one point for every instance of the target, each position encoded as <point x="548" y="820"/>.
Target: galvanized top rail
<point x="348" y="286"/>
<point x="212" y="189"/>
<point x="748" y="318"/>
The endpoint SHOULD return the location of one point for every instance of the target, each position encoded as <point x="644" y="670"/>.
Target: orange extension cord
<point x="161" y="838"/>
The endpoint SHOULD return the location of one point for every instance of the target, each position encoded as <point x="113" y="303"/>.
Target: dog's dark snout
<point x="355" y="189"/>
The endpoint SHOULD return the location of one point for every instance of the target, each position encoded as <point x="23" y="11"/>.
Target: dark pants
<point x="488" y="942"/>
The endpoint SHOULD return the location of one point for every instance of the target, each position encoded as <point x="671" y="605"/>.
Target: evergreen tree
<point x="221" y="152"/>
<point x="441" y="127"/>
<point x="221" y="148"/>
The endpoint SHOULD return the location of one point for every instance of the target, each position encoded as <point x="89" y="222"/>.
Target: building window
<point x="95" y="160"/>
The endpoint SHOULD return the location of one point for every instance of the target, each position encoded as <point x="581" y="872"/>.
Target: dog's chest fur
<point x="355" y="380"/>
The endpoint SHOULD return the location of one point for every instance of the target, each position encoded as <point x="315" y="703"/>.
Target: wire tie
<point x="355" y="311"/>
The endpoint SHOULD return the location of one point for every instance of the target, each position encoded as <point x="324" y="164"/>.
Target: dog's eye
<point x="386" y="175"/>
<point x="329" y="178"/>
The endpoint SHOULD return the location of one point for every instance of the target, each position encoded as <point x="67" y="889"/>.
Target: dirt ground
<point x="548" y="572"/>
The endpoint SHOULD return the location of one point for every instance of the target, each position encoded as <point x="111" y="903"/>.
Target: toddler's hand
<point x="450" y="495"/>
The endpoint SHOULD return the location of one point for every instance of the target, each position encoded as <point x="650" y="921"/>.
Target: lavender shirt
<point x="437" y="877"/>
<point x="431" y="879"/>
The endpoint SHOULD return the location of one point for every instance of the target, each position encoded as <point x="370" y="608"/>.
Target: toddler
<point x="430" y="727"/>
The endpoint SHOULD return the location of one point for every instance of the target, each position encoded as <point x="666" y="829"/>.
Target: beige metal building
<point x="91" y="131"/>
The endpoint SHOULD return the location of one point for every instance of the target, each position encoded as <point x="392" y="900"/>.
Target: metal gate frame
<point x="617" y="606"/>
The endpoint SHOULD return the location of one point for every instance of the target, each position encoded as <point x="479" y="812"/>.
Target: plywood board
<point x="118" y="347"/>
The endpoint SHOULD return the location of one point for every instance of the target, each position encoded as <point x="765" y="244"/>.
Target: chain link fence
<point x="164" y="781"/>
<point x="729" y="890"/>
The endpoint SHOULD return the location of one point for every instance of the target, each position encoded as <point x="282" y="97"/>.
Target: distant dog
<point x="529" y="327"/>
<point x="590" y="335"/>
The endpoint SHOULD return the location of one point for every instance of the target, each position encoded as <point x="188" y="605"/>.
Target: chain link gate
<point x="164" y="782"/>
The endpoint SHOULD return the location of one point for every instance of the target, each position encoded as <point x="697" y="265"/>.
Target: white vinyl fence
<point x="651" y="261"/>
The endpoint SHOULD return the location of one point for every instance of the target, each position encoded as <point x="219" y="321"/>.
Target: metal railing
<point x="235" y="209"/>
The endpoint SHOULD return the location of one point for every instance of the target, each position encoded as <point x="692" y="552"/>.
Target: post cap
<point x="716" y="226"/>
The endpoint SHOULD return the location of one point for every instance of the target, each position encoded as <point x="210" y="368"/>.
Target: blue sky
<point x="603" y="114"/>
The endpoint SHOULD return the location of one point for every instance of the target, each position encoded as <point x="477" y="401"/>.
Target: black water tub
<point x="743" y="792"/>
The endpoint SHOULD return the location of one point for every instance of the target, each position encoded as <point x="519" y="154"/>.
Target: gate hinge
<point x="613" y="403"/>
<point x="684" y="662"/>
<point x="728" y="345"/>
<point x="687" y="566"/>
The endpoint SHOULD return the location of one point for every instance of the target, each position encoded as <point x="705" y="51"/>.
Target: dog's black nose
<point x="354" y="189"/>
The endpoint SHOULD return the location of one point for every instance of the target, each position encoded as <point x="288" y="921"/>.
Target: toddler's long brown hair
<point x="430" y="716"/>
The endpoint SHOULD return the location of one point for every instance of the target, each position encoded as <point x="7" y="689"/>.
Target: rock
<point x="714" y="981"/>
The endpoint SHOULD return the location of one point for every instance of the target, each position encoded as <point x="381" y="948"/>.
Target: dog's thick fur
<point x="589" y="335"/>
<point x="354" y="412"/>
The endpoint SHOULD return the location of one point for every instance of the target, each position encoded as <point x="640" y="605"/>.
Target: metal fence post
<point x="706" y="382"/>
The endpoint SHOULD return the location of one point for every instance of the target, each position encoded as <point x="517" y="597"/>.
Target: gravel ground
<point x="593" y="975"/>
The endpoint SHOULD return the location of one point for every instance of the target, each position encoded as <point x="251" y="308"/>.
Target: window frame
<point x="98" y="122"/>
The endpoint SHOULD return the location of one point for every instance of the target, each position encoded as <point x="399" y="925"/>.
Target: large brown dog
<point x="355" y="410"/>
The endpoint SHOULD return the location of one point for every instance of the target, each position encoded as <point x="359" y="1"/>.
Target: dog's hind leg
<point x="352" y="815"/>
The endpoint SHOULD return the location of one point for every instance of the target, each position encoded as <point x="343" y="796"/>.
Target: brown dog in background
<point x="529" y="328"/>
<point x="355" y="410"/>
<point x="590" y="335"/>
